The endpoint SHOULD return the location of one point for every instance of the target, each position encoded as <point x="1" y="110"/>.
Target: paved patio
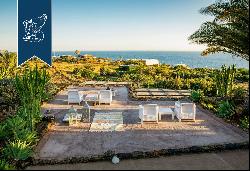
<point x="64" y="141"/>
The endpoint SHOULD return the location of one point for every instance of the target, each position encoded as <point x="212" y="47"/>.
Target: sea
<point x="192" y="59"/>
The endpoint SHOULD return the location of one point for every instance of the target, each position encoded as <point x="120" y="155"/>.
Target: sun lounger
<point x="148" y="112"/>
<point x="105" y="96"/>
<point x="74" y="97"/>
<point x="185" y="110"/>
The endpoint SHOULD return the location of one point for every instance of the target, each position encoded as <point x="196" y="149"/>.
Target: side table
<point x="166" y="111"/>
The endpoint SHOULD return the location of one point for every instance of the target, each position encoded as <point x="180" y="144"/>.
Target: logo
<point x="33" y="29"/>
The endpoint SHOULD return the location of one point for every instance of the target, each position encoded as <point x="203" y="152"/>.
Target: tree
<point x="228" y="32"/>
<point x="8" y="63"/>
<point x="78" y="52"/>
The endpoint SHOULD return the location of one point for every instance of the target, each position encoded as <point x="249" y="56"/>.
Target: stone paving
<point x="64" y="141"/>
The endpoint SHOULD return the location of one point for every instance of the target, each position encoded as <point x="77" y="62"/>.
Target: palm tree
<point x="228" y="32"/>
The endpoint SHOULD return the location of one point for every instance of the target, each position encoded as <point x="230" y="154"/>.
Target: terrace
<point x="64" y="141"/>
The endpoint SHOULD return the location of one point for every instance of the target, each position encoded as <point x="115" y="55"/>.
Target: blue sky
<point x="114" y="24"/>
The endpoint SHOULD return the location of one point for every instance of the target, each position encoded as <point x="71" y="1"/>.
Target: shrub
<point x="203" y="84"/>
<point x="27" y="136"/>
<point x="7" y="64"/>
<point x="160" y="84"/>
<point x="17" y="128"/>
<point x="17" y="150"/>
<point x="238" y="95"/>
<point x="88" y="73"/>
<point x="50" y="90"/>
<point x="186" y="84"/>
<point x="178" y="83"/>
<point x="242" y="75"/>
<point x="106" y="71"/>
<point x="196" y="96"/>
<point x="208" y="106"/>
<point x="3" y="132"/>
<point x="4" y="165"/>
<point x="76" y="71"/>
<point x="244" y="122"/>
<point x="100" y="78"/>
<point x="210" y="103"/>
<point x="30" y="113"/>
<point x="15" y="125"/>
<point x="8" y="92"/>
<point x="225" y="110"/>
<point x="9" y="99"/>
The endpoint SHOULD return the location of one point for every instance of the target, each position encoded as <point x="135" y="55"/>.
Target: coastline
<point x="193" y="59"/>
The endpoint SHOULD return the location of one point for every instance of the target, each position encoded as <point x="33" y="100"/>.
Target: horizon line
<point x="127" y="50"/>
<point x="15" y="51"/>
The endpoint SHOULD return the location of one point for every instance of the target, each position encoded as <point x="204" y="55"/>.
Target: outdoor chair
<point x="148" y="113"/>
<point x="105" y="96"/>
<point x="73" y="119"/>
<point x="74" y="97"/>
<point x="185" y="110"/>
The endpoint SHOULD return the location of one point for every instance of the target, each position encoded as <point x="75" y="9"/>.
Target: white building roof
<point x="152" y="61"/>
<point x="148" y="61"/>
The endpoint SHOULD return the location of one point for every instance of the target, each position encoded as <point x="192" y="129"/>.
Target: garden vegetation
<point x="224" y="91"/>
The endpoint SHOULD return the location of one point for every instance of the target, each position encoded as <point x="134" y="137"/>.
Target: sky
<point x="91" y="25"/>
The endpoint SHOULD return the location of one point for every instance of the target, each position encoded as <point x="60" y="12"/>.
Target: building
<point x="147" y="61"/>
<point x="151" y="61"/>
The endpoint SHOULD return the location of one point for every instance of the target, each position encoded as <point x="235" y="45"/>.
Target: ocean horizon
<point x="192" y="59"/>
